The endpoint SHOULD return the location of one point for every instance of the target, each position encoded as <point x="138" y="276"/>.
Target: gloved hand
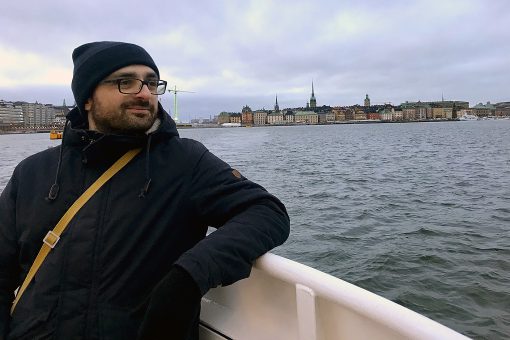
<point x="173" y="308"/>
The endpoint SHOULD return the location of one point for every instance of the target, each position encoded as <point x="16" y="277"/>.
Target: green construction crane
<point x="174" y="91"/>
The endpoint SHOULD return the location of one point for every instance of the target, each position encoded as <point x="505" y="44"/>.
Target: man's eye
<point x="126" y="82"/>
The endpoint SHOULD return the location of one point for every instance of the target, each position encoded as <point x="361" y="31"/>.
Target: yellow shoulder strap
<point x="53" y="236"/>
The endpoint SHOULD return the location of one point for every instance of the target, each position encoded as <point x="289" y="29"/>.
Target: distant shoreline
<point x="200" y="126"/>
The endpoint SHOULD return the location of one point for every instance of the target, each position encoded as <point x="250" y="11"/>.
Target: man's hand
<point x="173" y="308"/>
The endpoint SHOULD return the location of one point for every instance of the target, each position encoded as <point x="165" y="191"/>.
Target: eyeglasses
<point x="134" y="86"/>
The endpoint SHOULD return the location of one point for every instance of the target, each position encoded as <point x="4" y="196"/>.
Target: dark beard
<point x="120" y="123"/>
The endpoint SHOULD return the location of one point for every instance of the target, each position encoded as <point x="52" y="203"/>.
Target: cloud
<point x="19" y="68"/>
<point x="228" y="50"/>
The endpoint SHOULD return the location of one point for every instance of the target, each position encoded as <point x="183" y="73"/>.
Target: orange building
<point x="247" y="116"/>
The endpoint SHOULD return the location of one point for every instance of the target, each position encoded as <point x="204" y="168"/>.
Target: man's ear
<point x="88" y="104"/>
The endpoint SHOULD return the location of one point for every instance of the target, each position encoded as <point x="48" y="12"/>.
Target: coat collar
<point x="97" y="146"/>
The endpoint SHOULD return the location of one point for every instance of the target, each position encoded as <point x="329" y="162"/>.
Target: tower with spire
<point x="313" y="101"/>
<point x="367" y="101"/>
<point x="276" y="107"/>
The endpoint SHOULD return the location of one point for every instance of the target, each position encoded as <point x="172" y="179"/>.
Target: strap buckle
<point x="51" y="239"/>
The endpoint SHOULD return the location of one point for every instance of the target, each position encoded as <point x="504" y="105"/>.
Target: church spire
<point x="313" y="101"/>
<point x="276" y="107"/>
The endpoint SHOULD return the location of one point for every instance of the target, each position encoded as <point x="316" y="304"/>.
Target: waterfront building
<point x="235" y="118"/>
<point x="459" y="104"/>
<point x="359" y="114"/>
<point x="422" y="110"/>
<point x="409" y="113"/>
<point x="247" y="116"/>
<point x="349" y="114"/>
<point x="61" y="113"/>
<point x="398" y="115"/>
<point x="443" y="109"/>
<point x="313" y="101"/>
<point x="223" y="117"/>
<point x="339" y="113"/>
<point x="373" y="116"/>
<point x="484" y="110"/>
<point x="438" y="113"/>
<point x="366" y="102"/>
<point x="448" y="112"/>
<point x="275" y="118"/>
<point x="330" y="117"/>
<point x="10" y="114"/>
<point x="306" y="117"/>
<point x="465" y="112"/>
<point x="288" y="116"/>
<point x="37" y="114"/>
<point x="387" y="113"/>
<point x="260" y="117"/>
<point x="322" y="117"/>
<point x="502" y="109"/>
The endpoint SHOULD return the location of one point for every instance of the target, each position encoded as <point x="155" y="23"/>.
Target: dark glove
<point x="173" y="308"/>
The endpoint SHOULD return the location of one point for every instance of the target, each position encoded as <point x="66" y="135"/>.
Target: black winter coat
<point x="93" y="284"/>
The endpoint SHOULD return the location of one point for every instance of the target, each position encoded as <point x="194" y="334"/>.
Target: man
<point x="134" y="261"/>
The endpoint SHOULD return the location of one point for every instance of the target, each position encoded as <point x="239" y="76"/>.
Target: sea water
<point x="417" y="212"/>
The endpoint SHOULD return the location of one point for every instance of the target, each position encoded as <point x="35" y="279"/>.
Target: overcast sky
<point x="232" y="53"/>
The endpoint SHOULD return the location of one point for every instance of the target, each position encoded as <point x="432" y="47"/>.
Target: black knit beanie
<point x="96" y="60"/>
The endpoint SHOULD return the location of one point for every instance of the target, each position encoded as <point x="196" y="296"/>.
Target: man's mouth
<point x="142" y="105"/>
<point x="138" y="108"/>
<point x="140" y="112"/>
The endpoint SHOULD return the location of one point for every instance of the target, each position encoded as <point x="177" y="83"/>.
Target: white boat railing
<point x="284" y="299"/>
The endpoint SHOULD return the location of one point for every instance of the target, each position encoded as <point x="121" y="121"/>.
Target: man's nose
<point x="144" y="92"/>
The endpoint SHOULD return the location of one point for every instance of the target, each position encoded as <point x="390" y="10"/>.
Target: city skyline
<point x="231" y="54"/>
<point x="39" y="115"/>
<point x="270" y="106"/>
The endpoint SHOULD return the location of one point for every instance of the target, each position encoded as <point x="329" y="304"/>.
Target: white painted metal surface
<point x="284" y="299"/>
